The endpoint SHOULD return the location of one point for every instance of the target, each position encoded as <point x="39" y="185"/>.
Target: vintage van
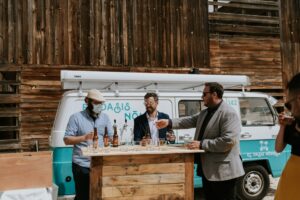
<point x="179" y="96"/>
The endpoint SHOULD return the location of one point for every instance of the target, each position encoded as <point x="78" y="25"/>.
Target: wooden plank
<point x="242" y="5"/>
<point x="259" y="2"/>
<point x="189" y="177"/>
<point x="9" y="128"/>
<point x="2" y="22"/>
<point x="233" y="28"/>
<point x="11" y="31"/>
<point x="235" y="17"/>
<point x="30" y="11"/>
<point x="125" y="32"/>
<point x="64" y="23"/>
<point x="10" y="146"/>
<point x="96" y="178"/>
<point x="143" y="169"/>
<point x="118" y="33"/>
<point x="151" y="179"/>
<point x="9" y="98"/>
<point x="36" y="167"/>
<point x="73" y="32"/>
<point x="97" y="32"/>
<point x="289" y="32"/>
<point x="153" y="196"/>
<point x="143" y="159"/>
<point x="18" y="34"/>
<point x="130" y="25"/>
<point x="9" y="110"/>
<point x="103" y="40"/>
<point x="168" y="191"/>
<point x="109" y="33"/>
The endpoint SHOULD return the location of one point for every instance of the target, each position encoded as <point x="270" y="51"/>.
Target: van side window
<point x="188" y="107"/>
<point x="255" y="112"/>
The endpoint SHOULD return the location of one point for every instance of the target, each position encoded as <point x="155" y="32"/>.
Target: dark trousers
<point x="82" y="182"/>
<point x="219" y="190"/>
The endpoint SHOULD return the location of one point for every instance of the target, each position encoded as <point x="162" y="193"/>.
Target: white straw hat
<point x="95" y="95"/>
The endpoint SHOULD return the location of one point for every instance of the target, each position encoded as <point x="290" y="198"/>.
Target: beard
<point x="150" y="110"/>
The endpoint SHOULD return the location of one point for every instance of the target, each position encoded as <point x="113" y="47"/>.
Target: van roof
<point x="132" y="81"/>
<point x="183" y="94"/>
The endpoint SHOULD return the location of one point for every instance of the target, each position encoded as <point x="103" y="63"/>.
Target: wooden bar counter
<point x="138" y="173"/>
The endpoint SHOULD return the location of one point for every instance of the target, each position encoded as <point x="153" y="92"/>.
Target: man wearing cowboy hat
<point x="79" y="132"/>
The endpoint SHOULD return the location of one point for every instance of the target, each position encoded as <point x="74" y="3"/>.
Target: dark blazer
<point x="141" y="126"/>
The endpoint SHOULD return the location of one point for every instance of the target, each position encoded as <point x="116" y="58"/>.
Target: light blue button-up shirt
<point x="82" y="123"/>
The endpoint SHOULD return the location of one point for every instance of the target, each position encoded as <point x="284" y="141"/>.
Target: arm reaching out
<point x="162" y="123"/>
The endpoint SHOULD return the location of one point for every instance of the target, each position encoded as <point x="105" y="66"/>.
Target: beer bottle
<point x="115" y="142"/>
<point x="105" y="138"/>
<point x="148" y="136"/>
<point x="95" y="138"/>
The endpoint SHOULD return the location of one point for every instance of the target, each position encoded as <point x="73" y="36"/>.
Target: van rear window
<point x="189" y="107"/>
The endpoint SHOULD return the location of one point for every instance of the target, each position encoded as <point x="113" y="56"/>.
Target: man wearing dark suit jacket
<point x="217" y="132"/>
<point x="145" y="123"/>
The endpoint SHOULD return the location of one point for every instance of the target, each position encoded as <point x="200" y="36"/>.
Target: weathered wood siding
<point x="255" y="56"/>
<point x="290" y="38"/>
<point x="107" y="32"/>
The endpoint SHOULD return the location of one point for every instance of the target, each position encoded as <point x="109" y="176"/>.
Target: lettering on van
<point x="232" y="101"/>
<point x="119" y="108"/>
<point x="263" y="151"/>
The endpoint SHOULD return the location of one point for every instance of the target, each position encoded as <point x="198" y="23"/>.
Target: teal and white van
<point x="179" y="95"/>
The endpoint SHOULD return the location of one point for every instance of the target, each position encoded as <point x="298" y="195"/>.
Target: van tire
<point x="254" y="184"/>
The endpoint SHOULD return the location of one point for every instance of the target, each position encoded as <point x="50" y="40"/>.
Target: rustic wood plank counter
<point x="136" y="172"/>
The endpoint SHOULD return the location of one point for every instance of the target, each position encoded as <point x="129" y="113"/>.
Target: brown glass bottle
<point x="105" y="138"/>
<point x="115" y="142"/>
<point x="148" y="136"/>
<point x="95" y="138"/>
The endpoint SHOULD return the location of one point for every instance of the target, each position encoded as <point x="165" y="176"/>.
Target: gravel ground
<point x="272" y="189"/>
<point x="269" y="196"/>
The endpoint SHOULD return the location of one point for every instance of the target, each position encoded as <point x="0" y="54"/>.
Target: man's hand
<point x="194" y="145"/>
<point x="88" y="136"/>
<point x="162" y="123"/>
<point x="71" y="140"/>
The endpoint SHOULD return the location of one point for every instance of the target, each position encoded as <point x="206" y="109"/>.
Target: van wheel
<point x="254" y="184"/>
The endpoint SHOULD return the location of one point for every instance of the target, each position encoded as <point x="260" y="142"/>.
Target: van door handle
<point x="246" y="135"/>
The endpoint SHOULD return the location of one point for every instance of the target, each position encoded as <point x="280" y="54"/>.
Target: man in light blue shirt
<point x="79" y="132"/>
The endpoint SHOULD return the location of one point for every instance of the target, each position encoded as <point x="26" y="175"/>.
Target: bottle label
<point x="95" y="144"/>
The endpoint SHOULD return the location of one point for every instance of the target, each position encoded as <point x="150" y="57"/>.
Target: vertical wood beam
<point x="290" y="38"/>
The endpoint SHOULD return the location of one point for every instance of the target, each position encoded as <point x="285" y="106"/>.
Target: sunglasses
<point x="204" y="93"/>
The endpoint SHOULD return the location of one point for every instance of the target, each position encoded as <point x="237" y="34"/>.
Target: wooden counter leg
<point x="189" y="176"/>
<point x="96" y="178"/>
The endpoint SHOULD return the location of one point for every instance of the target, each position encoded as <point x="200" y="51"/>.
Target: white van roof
<point x="132" y="81"/>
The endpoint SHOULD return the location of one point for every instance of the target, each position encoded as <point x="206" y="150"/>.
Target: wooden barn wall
<point x="107" y="32"/>
<point x="255" y="56"/>
<point x="290" y="38"/>
<point x="38" y="38"/>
